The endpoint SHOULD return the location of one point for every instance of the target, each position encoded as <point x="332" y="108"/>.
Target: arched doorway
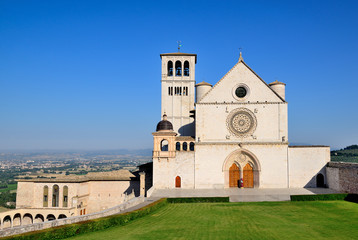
<point x="234" y="175"/>
<point x="178" y="182"/>
<point x="248" y="165"/>
<point x="320" y="180"/>
<point x="248" y="176"/>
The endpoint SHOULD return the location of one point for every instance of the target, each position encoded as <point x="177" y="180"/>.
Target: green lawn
<point x="10" y="187"/>
<point x="270" y="220"/>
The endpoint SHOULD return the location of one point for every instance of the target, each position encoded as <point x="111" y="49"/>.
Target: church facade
<point x="232" y="134"/>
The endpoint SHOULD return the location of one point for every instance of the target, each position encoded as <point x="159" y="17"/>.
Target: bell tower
<point x="178" y="90"/>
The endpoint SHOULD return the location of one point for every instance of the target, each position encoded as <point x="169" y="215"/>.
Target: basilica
<point x="233" y="134"/>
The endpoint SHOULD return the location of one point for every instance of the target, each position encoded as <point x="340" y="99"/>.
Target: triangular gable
<point x="241" y="73"/>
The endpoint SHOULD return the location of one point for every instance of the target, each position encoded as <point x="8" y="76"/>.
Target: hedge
<point x="198" y="200"/>
<point x="70" y="230"/>
<point x="325" y="197"/>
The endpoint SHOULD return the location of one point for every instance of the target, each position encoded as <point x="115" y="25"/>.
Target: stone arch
<point x="7" y="222"/>
<point x="39" y="218"/>
<point x="61" y="216"/>
<point x="164" y="145"/>
<point x="241" y="157"/>
<point x="27" y="219"/>
<point x="50" y="217"/>
<point x="16" y="221"/>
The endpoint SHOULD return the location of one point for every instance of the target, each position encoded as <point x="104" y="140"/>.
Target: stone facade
<point x="240" y="123"/>
<point x="343" y="176"/>
<point x="40" y="200"/>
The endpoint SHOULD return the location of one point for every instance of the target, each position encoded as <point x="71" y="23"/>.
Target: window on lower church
<point x="177" y="146"/>
<point x="65" y="196"/>
<point x="185" y="146"/>
<point x="45" y="197"/>
<point x="191" y="146"/>
<point x="164" y="145"/>
<point x="55" y="195"/>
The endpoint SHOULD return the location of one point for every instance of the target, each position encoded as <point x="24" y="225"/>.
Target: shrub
<point x="325" y="197"/>
<point x="198" y="200"/>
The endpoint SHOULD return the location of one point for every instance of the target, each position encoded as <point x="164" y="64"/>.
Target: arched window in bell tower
<point x="164" y="145"/>
<point x="178" y="68"/>
<point x="186" y="68"/>
<point x="170" y="68"/>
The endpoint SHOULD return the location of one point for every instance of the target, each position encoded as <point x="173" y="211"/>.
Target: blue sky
<point x="86" y="74"/>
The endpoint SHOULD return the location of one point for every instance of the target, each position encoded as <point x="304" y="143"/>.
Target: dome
<point x="164" y="124"/>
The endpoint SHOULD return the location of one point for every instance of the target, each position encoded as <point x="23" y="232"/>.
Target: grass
<point x="10" y="187"/>
<point x="267" y="220"/>
<point x="2" y="209"/>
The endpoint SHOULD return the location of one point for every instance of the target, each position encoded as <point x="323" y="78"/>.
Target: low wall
<point x="150" y="191"/>
<point x="342" y="177"/>
<point x="39" y="226"/>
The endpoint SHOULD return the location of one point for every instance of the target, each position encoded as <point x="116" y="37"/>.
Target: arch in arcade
<point x="39" y="218"/>
<point x="6" y="223"/>
<point x="27" y="219"/>
<point x="241" y="164"/>
<point x="16" y="220"/>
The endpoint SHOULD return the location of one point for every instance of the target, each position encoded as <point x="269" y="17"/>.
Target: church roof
<point x="276" y="82"/>
<point x="241" y="60"/>
<point x="179" y="54"/>
<point x="203" y="84"/>
<point x="164" y="124"/>
<point x="184" y="138"/>
<point x="120" y="175"/>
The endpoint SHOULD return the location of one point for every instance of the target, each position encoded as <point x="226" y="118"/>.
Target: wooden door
<point x="177" y="182"/>
<point x="248" y="177"/>
<point x="234" y="175"/>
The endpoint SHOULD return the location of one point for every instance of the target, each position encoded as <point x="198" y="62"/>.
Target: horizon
<point x="86" y="74"/>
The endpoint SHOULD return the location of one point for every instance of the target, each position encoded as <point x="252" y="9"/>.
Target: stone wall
<point x="48" y="224"/>
<point x="342" y="176"/>
<point x="305" y="163"/>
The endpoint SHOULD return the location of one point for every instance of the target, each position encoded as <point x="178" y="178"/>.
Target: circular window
<point x="241" y="122"/>
<point x="240" y="92"/>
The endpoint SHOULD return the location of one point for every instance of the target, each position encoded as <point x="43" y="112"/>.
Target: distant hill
<point x="347" y="154"/>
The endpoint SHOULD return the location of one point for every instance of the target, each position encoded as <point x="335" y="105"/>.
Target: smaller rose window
<point x="240" y="92"/>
